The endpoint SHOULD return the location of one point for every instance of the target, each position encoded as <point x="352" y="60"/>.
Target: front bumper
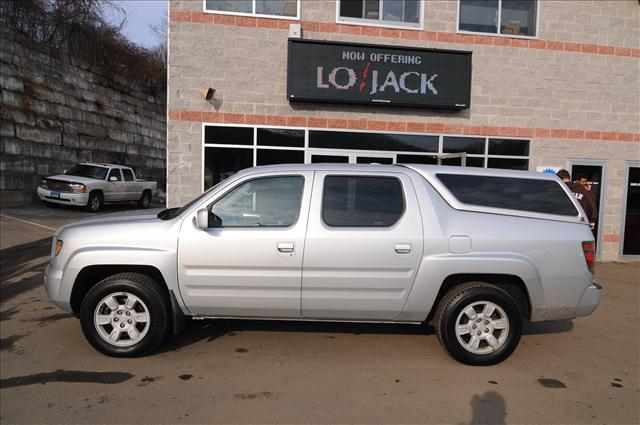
<point x="590" y="300"/>
<point x="66" y="198"/>
<point x="56" y="292"/>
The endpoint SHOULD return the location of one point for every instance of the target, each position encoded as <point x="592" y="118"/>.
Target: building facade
<point x="552" y="84"/>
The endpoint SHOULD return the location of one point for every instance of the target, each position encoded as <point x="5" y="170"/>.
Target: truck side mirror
<point x="113" y="179"/>
<point x="202" y="219"/>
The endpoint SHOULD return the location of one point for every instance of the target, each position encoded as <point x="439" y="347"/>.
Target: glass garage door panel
<point x="631" y="242"/>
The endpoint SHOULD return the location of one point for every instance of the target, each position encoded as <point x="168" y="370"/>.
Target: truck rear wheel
<point x="145" y="199"/>
<point x="125" y="315"/>
<point x="478" y="323"/>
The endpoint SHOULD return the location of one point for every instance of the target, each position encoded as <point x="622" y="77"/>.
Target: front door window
<point x="266" y="202"/>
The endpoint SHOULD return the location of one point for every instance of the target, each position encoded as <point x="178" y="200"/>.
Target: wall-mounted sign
<point x="333" y="72"/>
<point x="549" y="169"/>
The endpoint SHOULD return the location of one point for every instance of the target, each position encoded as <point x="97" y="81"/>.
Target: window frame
<point x="254" y="14"/>
<point x="360" y="175"/>
<point x="228" y="190"/>
<point x="499" y="34"/>
<point x="380" y="22"/>
<point x="122" y="171"/>
<point x="117" y="170"/>
<point x="254" y="147"/>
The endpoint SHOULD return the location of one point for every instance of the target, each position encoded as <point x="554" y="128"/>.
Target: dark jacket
<point x="587" y="200"/>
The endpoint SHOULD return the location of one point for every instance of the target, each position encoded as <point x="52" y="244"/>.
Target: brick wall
<point x="575" y="90"/>
<point x="55" y="114"/>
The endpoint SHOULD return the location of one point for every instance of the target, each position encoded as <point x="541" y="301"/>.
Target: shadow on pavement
<point x="488" y="408"/>
<point x="210" y="330"/>
<point x="21" y="267"/>
<point x="553" y="327"/>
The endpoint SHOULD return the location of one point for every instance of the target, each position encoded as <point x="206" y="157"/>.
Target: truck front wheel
<point x="125" y="315"/>
<point x="95" y="202"/>
<point x="478" y="323"/>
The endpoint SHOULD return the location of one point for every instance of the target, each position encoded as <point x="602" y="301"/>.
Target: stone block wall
<point x="55" y="113"/>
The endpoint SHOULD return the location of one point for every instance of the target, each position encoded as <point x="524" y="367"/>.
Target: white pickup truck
<point x="92" y="185"/>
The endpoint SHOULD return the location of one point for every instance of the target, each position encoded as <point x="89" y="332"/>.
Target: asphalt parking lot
<point x="580" y="371"/>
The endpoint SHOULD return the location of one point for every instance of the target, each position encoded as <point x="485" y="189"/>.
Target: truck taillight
<point x="589" y="249"/>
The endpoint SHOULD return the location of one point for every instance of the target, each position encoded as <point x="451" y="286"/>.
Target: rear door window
<point x="533" y="195"/>
<point x="128" y="175"/>
<point x="362" y="201"/>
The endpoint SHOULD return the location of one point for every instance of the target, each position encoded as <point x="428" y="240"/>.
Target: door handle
<point x="403" y="248"/>
<point x="285" y="246"/>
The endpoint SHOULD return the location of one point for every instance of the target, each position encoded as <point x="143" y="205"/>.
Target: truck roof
<point x="424" y="169"/>
<point x="103" y="164"/>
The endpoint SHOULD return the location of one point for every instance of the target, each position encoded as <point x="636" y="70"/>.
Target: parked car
<point x="93" y="185"/>
<point x="472" y="251"/>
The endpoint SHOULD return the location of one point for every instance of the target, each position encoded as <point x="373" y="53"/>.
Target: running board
<point x="288" y="319"/>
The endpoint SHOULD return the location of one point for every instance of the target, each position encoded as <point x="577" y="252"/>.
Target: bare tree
<point x="79" y="29"/>
<point x="160" y="32"/>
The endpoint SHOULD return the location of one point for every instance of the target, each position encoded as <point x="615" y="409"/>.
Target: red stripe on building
<point x="445" y="37"/>
<point x="399" y="126"/>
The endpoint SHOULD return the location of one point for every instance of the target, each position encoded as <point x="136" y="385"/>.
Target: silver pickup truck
<point x="473" y="252"/>
<point x="92" y="185"/>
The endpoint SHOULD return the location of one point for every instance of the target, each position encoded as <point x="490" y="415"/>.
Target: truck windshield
<point x="89" y="171"/>
<point x="171" y="213"/>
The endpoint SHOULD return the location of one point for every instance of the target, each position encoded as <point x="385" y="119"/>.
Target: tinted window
<point x="220" y="163"/>
<point x="228" y="135"/>
<point x="319" y="159"/>
<point x="362" y="201"/>
<point x="508" y="147"/>
<point x="373" y="141"/>
<point x="128" y="174"/>
<point x="542" y="196"/>
<point x="508" y="163"/>
<point x="277" y="156"/>
<point x="115" y="172"/>
<point x="463" y="144"/>
<point x="278" y="137"/>
<point x="373" y="160"/>
<point x="266" y="202"/>
<point x="416" y="159"/>
<point x="470" y="162"/>
<point x="479" y="15"/>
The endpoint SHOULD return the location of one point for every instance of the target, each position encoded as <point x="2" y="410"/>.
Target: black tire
<point x="451" y="307"/>
<point x="145" y="200"/>
<point x="145" y="289"/>
<point x="95" y="202"/>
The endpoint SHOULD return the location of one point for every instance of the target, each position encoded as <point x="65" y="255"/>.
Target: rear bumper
<point x="590" y="300"/>
<point x="65" y="198"/>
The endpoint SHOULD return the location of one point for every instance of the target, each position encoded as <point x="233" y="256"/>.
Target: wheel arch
<point x="512" y="284"/>
<point x="90" y="276"/>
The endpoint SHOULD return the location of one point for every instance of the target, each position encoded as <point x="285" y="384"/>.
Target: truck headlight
<point x="79" y="188"/>
<point x="43" y="183"/>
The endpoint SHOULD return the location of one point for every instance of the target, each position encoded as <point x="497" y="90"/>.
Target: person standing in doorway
<point x="582" y="193"/>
